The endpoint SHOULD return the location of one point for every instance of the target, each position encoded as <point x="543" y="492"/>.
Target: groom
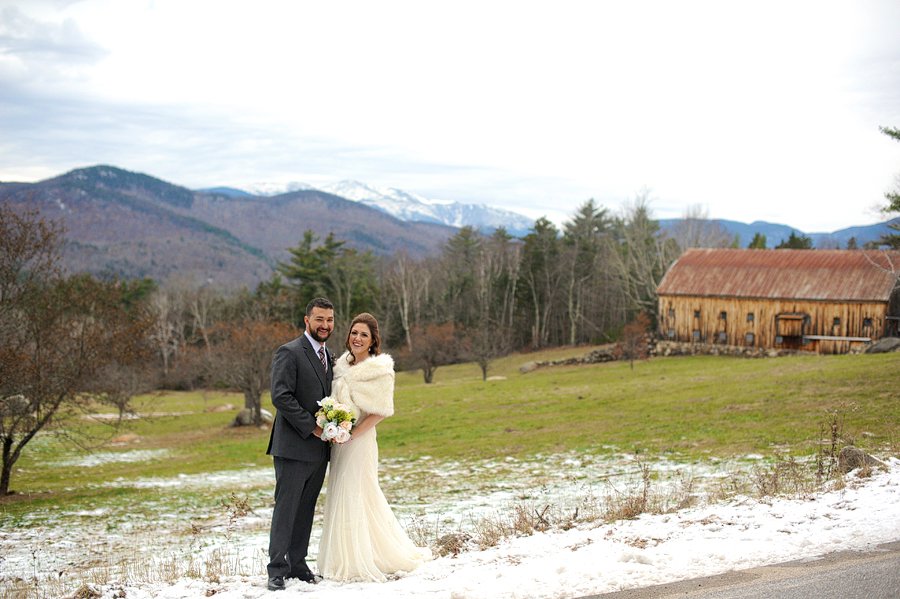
<point x="301" y="376"/>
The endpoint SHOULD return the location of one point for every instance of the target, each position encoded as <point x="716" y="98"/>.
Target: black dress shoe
<point x="276" y="583"/>
<point x="304" y="575"/>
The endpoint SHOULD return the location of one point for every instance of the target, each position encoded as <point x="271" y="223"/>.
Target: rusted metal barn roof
<point x="817" y="275"/>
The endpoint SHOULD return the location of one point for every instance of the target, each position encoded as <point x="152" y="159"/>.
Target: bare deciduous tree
<point x="644" y="255"/>
<point x="201" y="305"/>
<point x="169" y="319"/>
<point x="696" y="230"/>
<point x="60" y="335"/>
<point x="435" y="345"/>
<point x="634" y="342"/>
<point x="408" y="282"/>
<point x="887" y="261"/>
<point x="506" y="263"/>
<point x="485" y="344"/>
<point x="240" y="357"/>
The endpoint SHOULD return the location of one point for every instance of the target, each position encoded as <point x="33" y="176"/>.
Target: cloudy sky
<point x="754" y="111"/>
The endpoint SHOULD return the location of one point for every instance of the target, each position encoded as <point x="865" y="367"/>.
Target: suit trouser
<point x="297" y="487"/>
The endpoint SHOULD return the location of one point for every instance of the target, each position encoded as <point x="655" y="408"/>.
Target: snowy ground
<point x="176" y="519"/>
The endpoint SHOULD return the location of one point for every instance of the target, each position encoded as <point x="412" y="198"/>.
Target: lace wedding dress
<point x="361" y="538"/>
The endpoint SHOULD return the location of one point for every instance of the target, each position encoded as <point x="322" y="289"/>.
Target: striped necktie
<point x="322" y="357"/>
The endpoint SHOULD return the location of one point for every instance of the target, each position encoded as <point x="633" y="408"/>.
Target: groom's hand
<point x="318" y="432"/>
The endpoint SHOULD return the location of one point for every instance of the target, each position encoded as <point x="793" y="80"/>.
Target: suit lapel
<point x="315" y="362"/>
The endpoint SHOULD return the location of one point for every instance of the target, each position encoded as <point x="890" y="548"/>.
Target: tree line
<point x="481" y="297"/>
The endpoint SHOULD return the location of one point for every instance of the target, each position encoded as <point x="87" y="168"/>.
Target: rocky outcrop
<point x="527" y="367"/>
<point x="884" y="345"/>
<point x="15" y="406"/>
<point x="851" y="458"/>
<point x="245" y="418"/>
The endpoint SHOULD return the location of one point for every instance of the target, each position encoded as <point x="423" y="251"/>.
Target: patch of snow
<point x="97" y="459"/>
<point x="591" y="558"/>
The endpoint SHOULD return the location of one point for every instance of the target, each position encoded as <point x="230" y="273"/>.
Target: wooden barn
<point x="827" y="301"/>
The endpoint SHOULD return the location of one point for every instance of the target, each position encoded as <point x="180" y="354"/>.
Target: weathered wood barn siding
<point x="827" y="301"/>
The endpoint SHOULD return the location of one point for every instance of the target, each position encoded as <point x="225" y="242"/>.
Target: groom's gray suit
<point x="299" y="381"/>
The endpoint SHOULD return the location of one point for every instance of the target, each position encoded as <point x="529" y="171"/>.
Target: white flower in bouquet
<point x="330" y="431"/>
<point x="342" y="435"/>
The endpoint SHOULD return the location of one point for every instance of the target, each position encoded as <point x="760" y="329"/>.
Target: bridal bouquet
<point x="336" y="420"/>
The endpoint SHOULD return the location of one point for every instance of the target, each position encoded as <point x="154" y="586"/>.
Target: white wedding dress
<point x="361" y="538"/>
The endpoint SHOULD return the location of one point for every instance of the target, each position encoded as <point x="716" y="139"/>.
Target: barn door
<point x="790" y="328"/>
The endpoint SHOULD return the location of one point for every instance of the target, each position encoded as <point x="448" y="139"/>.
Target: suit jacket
<point x="299" y="382"/>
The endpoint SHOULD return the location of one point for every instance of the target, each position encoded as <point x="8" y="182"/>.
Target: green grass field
<point x="695" y="408"/>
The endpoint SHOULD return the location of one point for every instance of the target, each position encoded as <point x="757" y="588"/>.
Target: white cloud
<point x="766" y="111"/>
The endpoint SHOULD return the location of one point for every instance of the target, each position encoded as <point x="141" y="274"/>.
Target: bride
<point x="361" y="538"/>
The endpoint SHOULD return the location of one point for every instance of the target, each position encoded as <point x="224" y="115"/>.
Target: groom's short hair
<point x="318" y="302"/>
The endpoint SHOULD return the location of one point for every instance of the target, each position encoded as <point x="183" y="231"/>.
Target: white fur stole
<point x="367" y="386"/>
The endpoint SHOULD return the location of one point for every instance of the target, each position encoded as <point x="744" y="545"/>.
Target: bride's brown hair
<point x="368" y="320"/>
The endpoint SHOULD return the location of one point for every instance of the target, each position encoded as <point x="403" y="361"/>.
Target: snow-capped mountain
<point x="401" y="205"/>
<point x="412" y="207"/>
<point x="274" y="189"/>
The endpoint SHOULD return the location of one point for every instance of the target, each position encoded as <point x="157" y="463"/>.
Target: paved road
<point x="846" y="575"/>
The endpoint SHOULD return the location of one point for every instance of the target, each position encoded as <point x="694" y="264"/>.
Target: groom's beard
<point x="320" y="338"/>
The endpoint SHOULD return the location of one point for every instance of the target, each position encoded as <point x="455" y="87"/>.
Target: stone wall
<point x="607" y="353"/>
<point x="678" y="348"/>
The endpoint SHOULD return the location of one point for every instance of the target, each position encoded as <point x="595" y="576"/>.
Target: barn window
<point x="696" y="313"/>
<point x="671" y="313"/>
<point x="697" y="334"/>
<point x="723" y="336"/>
<point x="779" y="339"/>
<point x="671" y="333"/>
<point x="867" y="322"/>
<point x="836" y="322"/>
<point x="749" y="316"/>
<point x="749" y="339"/>
<point x="723" y="315"/>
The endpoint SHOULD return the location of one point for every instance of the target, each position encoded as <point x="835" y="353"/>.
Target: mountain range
<point x="776" y="233"/>
<point x="411" y="207"/>
<point x="406" y="206"/>
<point x="135" y="225"/>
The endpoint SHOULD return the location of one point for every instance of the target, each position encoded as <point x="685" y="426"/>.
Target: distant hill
<point x="275" y="223"/>
<point x="134" y="225"/>
<point x="776" y="233"/>
<point x="227" y="191"/>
